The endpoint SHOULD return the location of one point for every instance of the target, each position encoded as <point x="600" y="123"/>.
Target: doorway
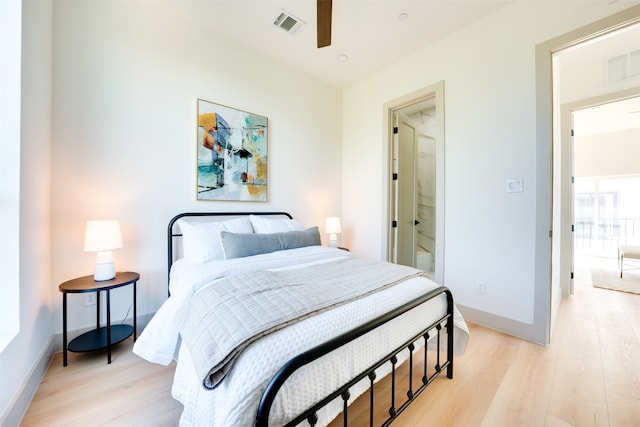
<point x="599" y="58"/>
<point x="415" y="182"/>
<point x="607" y="176"/>
<point x="605" y="193"/>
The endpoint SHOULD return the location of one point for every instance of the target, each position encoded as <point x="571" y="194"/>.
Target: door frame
<point x="546" y="301"/>
<point x="436" y="92"/>
<point x="567" y="194"/>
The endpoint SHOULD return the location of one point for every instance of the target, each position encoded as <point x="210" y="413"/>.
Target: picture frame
<point x="232" y="159"/>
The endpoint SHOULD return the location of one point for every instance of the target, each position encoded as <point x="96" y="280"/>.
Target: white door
<point x="406" y="141"/>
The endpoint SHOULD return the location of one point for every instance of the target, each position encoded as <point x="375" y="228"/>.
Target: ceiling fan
<point x="323" y="17"/>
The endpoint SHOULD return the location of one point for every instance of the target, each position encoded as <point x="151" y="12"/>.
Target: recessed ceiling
<point x="371" y="34"/>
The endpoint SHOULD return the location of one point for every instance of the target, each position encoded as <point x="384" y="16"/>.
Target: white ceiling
<point x="372" y="35"/>
<point x="369" y="32"/>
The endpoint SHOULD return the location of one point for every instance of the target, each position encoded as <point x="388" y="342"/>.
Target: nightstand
<point x="101" y="337"/>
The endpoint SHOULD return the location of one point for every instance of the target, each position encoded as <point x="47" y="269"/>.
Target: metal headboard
<point x="174" y="234"/>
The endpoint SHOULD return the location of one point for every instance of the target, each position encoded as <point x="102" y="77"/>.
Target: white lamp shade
<point x="102" y="235"/>
<point x="332" y="226"/>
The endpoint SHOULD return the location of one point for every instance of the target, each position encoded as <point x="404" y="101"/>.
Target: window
<point x="606" y="212"/>
<point x="10" y="58"/>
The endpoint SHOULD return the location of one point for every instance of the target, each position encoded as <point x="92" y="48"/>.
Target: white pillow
<point x="267" y="226"/>
<point x="201" y="240"/>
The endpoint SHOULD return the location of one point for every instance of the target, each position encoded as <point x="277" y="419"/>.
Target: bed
<point x="310" y="328"/>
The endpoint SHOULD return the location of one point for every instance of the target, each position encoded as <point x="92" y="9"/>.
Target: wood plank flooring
<point x="588" y="376"/>
<point x="89" y="392"/>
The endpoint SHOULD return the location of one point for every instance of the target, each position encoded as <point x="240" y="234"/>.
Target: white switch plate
<point x="514" y="185"/>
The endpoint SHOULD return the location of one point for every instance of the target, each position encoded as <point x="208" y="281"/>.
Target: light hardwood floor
<point x="588" y="376"/>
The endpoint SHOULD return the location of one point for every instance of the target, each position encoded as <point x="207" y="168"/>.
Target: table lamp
<point x="102" y="236"/>
<point x="333" y="228"/>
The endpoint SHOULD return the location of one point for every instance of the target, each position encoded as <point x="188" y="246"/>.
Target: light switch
<point x="514" y="185"/>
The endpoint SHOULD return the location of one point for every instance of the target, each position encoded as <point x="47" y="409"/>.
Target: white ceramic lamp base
<point x="105" y="268"/>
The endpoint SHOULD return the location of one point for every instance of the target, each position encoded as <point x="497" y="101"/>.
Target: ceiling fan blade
<point x="324" y="22"/>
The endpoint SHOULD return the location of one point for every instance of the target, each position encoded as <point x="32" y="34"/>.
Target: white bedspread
<point x="221" y="321"/>
<point x="234" y="402"/>
<point x="159" y="341"/>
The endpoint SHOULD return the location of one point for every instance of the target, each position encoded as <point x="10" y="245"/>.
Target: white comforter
<point x="234" y="402"/>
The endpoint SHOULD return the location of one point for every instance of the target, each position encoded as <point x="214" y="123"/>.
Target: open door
<point x="414" y="219"/>
<point x="404" y="177"/>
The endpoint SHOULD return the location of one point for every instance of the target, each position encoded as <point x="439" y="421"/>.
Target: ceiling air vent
<point x="622" y="67"/>
<point x="288" y="22"/>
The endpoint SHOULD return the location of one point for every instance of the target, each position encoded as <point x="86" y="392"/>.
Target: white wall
<point x="488" y="70"/>
<point x="600" y="155"/>
<point x="126" y="79"/>
<point x="25" y="359"/>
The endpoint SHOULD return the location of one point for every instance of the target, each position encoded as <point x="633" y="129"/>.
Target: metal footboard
<point x="279" y="379"/>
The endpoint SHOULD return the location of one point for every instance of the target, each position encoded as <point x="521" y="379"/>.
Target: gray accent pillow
<point x="237" y="245"/>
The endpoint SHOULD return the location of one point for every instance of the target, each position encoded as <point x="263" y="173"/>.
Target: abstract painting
<point x="232" y="154"/>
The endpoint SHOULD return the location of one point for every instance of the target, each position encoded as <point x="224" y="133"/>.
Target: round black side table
<point x="100" y="337"/>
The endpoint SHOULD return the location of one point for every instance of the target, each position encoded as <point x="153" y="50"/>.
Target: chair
<point x="627" y="251"/>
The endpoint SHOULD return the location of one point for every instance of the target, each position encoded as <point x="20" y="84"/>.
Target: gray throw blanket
<point x="222" y="319"/>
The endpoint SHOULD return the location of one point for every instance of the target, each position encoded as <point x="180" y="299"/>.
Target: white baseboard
<point x="518" y="329"/>
<point x="20" y="403"/>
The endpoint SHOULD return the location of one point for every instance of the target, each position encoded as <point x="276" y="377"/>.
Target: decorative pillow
<point x="268" y="225"/>
<point x="241" y="245"/>
<point x="201" y="240"/>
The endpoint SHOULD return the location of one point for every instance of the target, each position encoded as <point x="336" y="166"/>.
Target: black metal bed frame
<point x="301" y="360"/>
<point x="171" y="234"/>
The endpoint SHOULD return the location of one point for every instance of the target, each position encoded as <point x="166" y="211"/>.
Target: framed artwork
<point x="232" y="154"/>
